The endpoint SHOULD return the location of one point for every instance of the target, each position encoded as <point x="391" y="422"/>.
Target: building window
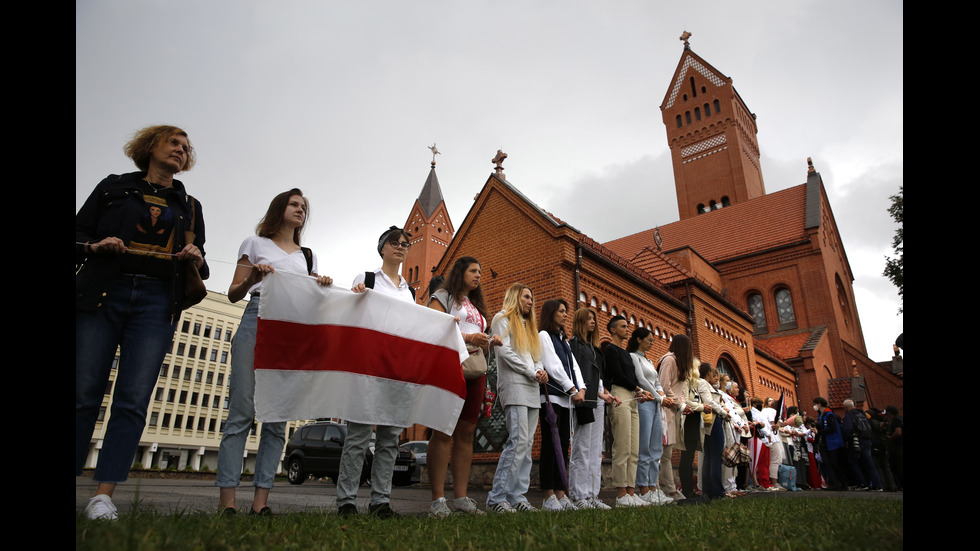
<point x="784" y="309"/>
<point x="717" y="106"/>
<point x="214" y="355"/>
<point x="758" y="312"/>
<point x="187" y="374"/>
<point x="163" y="370"/>
<point x="204" y="353"/>
<point x="185" y="327"/>
<point x="224" y="404"/>
<point x="171" y="394"/>
<point x="180" y="349"/>
<point x="725" y="201"/>
<point x="687" y="117"/>
<point x="707" y="110"/>
<point x="190" y="423"/>
<point x="227" y="335"/>
<point x="680" y="122"/>
<point x="159" y="394"/>
<point x="101" y="416"/>
<point x="192" y="351"/>
<point x="108" y="388"/>
<point x="211" y="424"/>
<point x="205" y="400"/>
<point x="582" y="297"/>
<point x="194" y="396"/>
<point x="199" y="375"/>
<point x="200" y="423"/>
<point x="697" y="113"/>
<point x="197" y="329"/>
<point x="207" y="331"/>
<point x="166" y="420"/>
<point x="224" y="357"/>
<point x="594" y="302"/>
<point x="727" y="367"/>
<point x="154" y="418"/>
<point x="221" y="379"/>
<point x="178" y="420"/>
<point x="183" y="397"/>
<point x="210" y="378"/>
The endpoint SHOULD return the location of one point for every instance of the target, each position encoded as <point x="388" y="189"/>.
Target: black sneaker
<point x="263" y="512"/>
<point x="382" y="510"/>
<point x="347" y="510"/>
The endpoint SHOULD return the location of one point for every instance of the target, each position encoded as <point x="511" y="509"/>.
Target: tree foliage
<point x="894" y="266"/>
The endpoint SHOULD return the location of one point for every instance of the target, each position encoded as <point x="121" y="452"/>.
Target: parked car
<point x="419" y="448"/>
<point x="315" y="450"/>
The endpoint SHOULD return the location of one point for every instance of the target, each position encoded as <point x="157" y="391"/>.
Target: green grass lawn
<point x="731" y="524"/>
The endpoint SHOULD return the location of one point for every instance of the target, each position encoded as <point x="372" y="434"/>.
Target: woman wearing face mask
<point x="831" y="443"/>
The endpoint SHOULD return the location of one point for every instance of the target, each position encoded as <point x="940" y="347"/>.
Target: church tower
<point x="712" y="138"/>
<point x="431" y="230"/>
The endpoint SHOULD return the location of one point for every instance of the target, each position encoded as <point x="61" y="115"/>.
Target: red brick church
<point x="760" y="282"/>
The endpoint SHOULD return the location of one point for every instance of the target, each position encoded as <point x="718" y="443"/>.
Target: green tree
<point x="893" y="266"/>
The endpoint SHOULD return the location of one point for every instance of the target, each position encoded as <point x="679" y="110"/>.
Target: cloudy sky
<point x="342" y="98"/>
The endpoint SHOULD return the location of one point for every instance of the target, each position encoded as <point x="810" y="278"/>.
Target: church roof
<point x="431" y="196"/>
<point x="775" y="219"/>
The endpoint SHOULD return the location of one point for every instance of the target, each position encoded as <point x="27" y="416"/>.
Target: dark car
<point x="315" y="450"/>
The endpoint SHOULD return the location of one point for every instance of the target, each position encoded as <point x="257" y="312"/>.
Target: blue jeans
<point x="513" y="476"/>
<point x="241" y="413"/>
<point x="651" y="444"/>
<point x="135" y="316"/>
<point x="352" y="461"/>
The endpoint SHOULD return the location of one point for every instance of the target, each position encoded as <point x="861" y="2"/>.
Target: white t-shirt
<point x="384" y="284"/>
<point x="262" y="250"/>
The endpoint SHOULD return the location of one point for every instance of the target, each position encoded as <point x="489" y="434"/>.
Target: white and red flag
<point x="370" y="358"/>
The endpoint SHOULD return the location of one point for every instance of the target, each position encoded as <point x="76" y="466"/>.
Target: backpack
<point x="861" y="426"/>
<point x="369" y="283"/>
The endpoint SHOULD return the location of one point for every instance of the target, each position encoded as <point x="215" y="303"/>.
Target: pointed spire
<point x="431" y="196"/>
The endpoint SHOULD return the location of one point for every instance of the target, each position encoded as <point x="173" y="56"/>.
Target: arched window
<point x="605" y="307"/>
<point x="697" y="113"/>
<point x="725" y="201"/>
<point x="707" y="110"/>
<point x="694" y="89"/>
<point x="582" y="297"/>
<point x="758" y="311"/>
<point x="687" y="116"/>
<point x="680" y="123"/>
<point x="784" y="309"/>
<point x="615" y="311"/>
<point x="727" y="366"/>
<point x="717" y="106"/>
<point x="701" y="208"/>
<point x="594" y="302"/>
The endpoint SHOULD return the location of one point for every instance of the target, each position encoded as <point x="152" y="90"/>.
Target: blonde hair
<point x="523" y="331"/>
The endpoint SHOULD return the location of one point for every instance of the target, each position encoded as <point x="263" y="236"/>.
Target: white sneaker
<point x="466" y="505"/>
<point x="646" y="498"/>
<point x="439" y="509"/>
<point x="596" y="504"/>
<point x="661" y="498"/>
<point x="552" y="504"/>
<point x="583" y="504"/>
<point x="639" y="501"/>
<point x="625" y="501"/>
<point x="100" y="507"/>
<point x="503" y="507"/>
<point x="567" y="505"/>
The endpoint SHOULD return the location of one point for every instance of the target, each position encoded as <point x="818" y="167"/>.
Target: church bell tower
<point x="712" y="138"/>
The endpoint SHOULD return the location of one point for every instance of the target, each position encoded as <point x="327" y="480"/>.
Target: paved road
<point x="201" y="496"/>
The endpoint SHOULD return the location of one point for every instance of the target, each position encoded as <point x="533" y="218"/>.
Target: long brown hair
<point x="680" y="345"/>
<point x="271" y="223"/>
<point x="456" y="286"/>
<point x="580" y="326"/>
